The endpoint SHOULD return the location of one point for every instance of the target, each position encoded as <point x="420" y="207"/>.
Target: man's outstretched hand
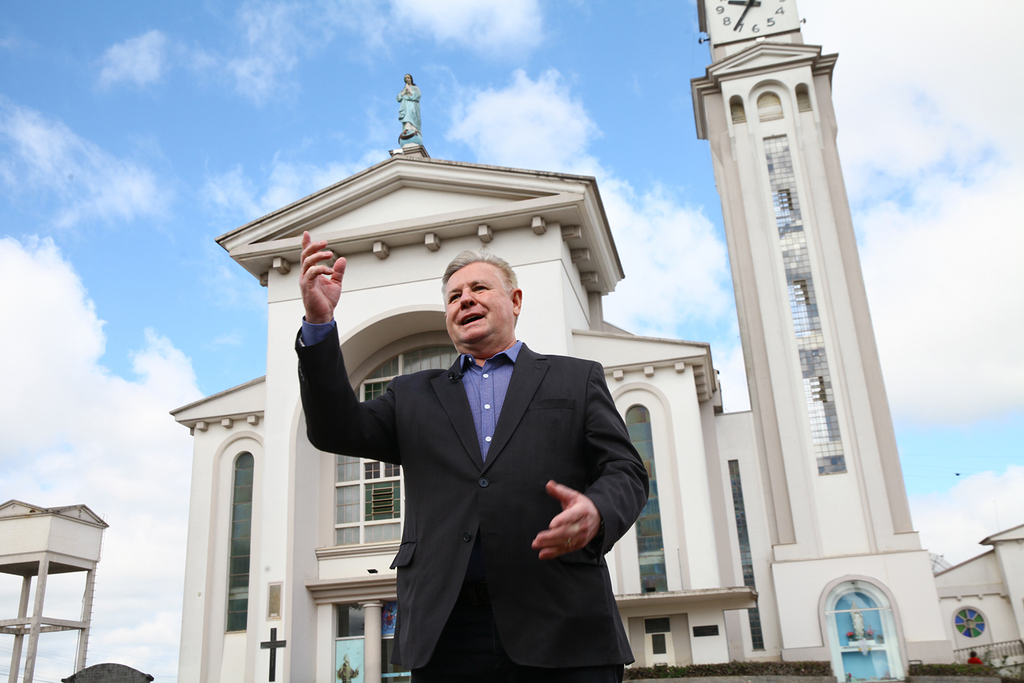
<point x="572" y="528"/>
<point x="319" y="282"/>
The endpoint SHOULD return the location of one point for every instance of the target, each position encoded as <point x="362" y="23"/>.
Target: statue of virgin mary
<point x="409" y="113"/>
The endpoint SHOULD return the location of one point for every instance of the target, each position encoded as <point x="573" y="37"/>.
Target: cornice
<point x="356" y="589"/>
<point x="732" y="597"/>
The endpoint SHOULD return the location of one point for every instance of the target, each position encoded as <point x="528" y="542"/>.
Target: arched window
<point x="803" y="98"/>
<point x="368" y="493"/>
<point x="739" y="115"/>
<point x="241" y="533"/>
<point x="769" y="107"/>
<point x="862" y="633"/>
<point x="649" y="542"/>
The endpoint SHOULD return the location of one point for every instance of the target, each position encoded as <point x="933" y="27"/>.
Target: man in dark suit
<point x="519" y="477"/>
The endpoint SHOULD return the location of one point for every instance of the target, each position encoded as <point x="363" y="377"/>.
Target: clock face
<point x="732" y="20"/>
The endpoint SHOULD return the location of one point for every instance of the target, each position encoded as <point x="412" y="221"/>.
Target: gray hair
<point x="467" y="257"/>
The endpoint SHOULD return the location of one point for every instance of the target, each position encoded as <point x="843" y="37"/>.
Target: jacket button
<point x="483" y="483"/>
<point x="467" y="537"/>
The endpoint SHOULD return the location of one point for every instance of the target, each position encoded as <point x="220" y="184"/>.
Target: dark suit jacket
<point x="558" y="422"/>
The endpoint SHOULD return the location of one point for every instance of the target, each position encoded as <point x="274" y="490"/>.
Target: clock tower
<point x="837" y="527"/>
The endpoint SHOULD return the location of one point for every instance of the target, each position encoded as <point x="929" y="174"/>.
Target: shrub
<point x="952" y="670"/>
<point x="731" y="669"/>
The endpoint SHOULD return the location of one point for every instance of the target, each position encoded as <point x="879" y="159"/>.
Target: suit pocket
<point x="404" y="556"/>
<point x="585" y="555"/>
<point x="548" y="403"/>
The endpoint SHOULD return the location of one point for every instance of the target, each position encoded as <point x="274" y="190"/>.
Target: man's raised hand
<point x="319" y="282"/>
<point x="571" y="529"/>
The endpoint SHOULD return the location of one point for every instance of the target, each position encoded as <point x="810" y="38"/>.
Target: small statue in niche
<point x="858" y="620"/>
<point x="409" y="113"/>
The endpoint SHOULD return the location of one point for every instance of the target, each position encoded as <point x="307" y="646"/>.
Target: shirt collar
<point x="512" y="353"/>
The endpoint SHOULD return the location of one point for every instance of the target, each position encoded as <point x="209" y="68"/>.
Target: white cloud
<point x="528" y="124"/>
<point x="495" y="29"/>
<point x="934" y="174"/>
<point x="486" y="27"/>
<point x="75" y="433"/>
<point x="140" y="60"/>
<point x="240" y="198"/>
<point x="233" y="192"/>
<point x="947" y="291"/>
<point x="274" y="34"/>
<point x="953" y="522"/>
<point x="732" y="373"/>
<point x="677" y="274"/>
<point x="43" y="154"/>
<point x="12" y="41"/>
<point x="676" y="268"/>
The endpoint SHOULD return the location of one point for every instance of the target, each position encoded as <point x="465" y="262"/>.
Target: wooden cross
<point x="272" y="645"/>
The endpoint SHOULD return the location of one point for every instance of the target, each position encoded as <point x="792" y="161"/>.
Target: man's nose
<point x="467" y="299"/>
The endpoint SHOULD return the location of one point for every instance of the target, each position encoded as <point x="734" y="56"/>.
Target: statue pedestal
<point x="408" y="150"/>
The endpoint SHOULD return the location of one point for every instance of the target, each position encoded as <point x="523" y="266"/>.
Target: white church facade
<point x="782" y="532"/>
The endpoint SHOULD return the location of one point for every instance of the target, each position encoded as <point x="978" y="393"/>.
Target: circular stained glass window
<point x="970" y="623"/>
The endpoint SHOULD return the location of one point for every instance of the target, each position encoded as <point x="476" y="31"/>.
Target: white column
<point x="37" y="615"/>
<point x="371" y="641"/>
<point x="325" y="647"/>
<point x="26" y="585"/>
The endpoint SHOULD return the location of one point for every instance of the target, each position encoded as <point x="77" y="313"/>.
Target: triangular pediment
<point x="406" y="201"/>
<point x="765" y="55"/>
<point x="16" y="508"/>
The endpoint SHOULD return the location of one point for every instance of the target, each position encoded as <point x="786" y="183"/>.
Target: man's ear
<point x="517" y="301"/>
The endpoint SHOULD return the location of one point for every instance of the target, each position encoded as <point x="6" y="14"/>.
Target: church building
<point x="782" y="532"/>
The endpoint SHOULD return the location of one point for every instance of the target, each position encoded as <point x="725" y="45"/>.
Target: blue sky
<point x="131" y="135"/>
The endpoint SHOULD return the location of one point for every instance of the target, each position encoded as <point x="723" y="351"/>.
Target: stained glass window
<point x="746" y="559"/>
<point x="969" y="622"/>
<point x="649" y="541"/>
<point x="241" y="533"/>
<point x="803" y="304"/>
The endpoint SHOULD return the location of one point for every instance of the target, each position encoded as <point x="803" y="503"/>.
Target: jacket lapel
<point x="527" y="375"/>
<point x="452" y="396"/>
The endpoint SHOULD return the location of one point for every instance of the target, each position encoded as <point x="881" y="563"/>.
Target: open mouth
<point x="471" y="318"/>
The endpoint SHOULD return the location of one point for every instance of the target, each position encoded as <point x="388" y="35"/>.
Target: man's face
<point x="479" y="314"/>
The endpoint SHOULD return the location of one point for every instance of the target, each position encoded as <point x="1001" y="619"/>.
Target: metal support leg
<point x="26" y="587"/>
<point x="83" y="635"/>
<point x="37" y="615"/>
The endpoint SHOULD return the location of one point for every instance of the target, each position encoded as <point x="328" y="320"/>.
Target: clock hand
<point x="739" y="22"/>
<point x="757" y="3"/>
